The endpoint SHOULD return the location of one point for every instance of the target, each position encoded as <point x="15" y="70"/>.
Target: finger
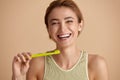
<point x="27" y="55"/>
<point x="16" y="58"/>
<point x="22" y="57"/>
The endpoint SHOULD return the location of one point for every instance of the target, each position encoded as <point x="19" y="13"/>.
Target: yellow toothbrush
<point x="46" y="53"/>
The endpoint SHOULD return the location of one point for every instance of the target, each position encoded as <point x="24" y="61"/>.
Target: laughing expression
<point x="63" y="26"/>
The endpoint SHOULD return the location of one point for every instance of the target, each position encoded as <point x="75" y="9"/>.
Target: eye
<point x="69" y="21"/>
<point x="54" y="23"/>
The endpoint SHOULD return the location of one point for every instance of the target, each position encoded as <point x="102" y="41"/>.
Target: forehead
<point x="62" y="12"/>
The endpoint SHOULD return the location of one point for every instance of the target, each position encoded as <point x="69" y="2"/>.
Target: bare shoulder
<point x="98" y="67"/>
<point x="37" y="63"/>
<point x="96" y="60"/>
<point x="36" y="68"/>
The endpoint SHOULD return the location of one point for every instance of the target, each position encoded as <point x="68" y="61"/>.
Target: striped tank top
<point x="78" y="72"/>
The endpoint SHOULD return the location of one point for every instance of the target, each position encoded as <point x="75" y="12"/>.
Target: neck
<point x="68" y="56"/>
<point x="68" y="51"/>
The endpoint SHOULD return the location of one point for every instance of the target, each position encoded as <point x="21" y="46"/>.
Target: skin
<point x="60" y="23"/>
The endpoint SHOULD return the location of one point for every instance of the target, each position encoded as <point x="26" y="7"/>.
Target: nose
<point x="62" y="27"/>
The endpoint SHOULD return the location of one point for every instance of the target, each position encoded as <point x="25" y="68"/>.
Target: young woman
<point x="64" y="23"/>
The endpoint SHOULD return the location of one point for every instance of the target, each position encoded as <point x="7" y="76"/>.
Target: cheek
<point x="52" y="31"/>
<point x="75" y="28"/>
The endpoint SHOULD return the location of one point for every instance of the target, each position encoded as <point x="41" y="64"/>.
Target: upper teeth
<point x="65" y="35"/>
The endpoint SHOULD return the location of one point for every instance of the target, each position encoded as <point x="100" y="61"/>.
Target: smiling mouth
<point x="64" y="36"/>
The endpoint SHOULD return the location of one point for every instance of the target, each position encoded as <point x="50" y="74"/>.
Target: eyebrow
<point x="68" y="18"/>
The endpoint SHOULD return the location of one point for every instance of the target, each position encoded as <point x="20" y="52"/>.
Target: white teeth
<point x="64" y="36"/>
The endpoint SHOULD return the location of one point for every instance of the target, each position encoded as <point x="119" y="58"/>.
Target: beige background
<point x="22" y="29"/>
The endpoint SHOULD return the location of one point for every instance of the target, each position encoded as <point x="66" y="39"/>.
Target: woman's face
<point x="63" y="26"/>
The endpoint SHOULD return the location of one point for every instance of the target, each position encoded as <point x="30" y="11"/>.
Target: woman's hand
<point x="20" y="65"/>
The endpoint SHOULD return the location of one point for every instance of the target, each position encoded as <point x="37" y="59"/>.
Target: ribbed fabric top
<point x="78" y="72"/>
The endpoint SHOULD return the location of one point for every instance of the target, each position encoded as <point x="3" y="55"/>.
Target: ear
<point x="80" y="26"/>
